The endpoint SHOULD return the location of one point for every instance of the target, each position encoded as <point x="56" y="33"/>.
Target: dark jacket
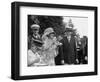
<point x="69" y="54"/>
<point x="59" y="57"/>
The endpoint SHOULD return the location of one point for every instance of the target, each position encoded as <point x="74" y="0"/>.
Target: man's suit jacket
<point x="58" y="58"/>
<point x="69" y="54"/>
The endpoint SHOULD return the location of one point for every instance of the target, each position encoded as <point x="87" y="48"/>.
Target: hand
<point x="77" y="60"/>
<point x="60" y="44"/>
<point x="62" y="61"/>
<point x="86" y="58"/>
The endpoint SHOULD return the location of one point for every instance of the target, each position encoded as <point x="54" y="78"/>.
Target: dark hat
<point x="68" y="30"/>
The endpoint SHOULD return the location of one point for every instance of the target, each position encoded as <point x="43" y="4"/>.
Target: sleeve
<point x="61" y="49"/>
<point x="75" y="50"/>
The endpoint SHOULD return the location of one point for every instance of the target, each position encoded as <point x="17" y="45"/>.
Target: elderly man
<point x="69" y="55"/>
<point x="35" y="35"/>
<point x="35" y="30"/>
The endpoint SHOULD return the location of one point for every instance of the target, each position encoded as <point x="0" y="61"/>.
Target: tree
<point x="70" y="25"/>
<point x="56" y="22"/>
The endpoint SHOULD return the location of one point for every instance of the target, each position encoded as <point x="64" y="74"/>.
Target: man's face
<point x="35" y="31"/>
<point x="69" y="33"/>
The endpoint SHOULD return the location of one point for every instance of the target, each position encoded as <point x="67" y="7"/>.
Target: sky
<point x="80" y="23"/>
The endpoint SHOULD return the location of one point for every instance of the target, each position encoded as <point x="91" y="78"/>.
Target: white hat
<point x="35" y="26"/>
<point x="48" y="31"/>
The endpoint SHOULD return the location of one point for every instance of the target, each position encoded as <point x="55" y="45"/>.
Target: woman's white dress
<point x="49" y="51"/>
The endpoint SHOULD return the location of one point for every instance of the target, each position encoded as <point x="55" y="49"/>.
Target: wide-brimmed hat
<point x="68" y="30"/>
<point x="35" y="26"/>
<point x="49" y="31"/>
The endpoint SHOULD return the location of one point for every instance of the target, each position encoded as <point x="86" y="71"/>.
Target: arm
<point x="61" y="51"/>
<point x="32" y="58"/>
<point x="75" y="50"/>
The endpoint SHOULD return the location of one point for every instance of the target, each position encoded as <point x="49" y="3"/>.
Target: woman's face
<point x="52" y="36"/>
<point x="68" y="33"/>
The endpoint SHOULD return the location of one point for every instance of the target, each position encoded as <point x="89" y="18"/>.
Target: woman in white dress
<point x="49" y="47"/>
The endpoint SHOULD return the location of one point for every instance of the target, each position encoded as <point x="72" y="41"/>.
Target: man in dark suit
<point x="69" y="55"/>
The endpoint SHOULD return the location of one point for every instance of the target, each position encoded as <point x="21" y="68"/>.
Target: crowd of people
<point x="50" y="50"/>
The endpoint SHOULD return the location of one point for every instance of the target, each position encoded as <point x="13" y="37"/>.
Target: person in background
<point x="35" y="29"/>
<point x="35" y="34"/>
<point x="83" y="57"/>
<point x="85" y="50"/>
<point x="80" y="52"/>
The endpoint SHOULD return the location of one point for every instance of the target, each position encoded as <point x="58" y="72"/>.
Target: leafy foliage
<point x="56" y="22"/>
